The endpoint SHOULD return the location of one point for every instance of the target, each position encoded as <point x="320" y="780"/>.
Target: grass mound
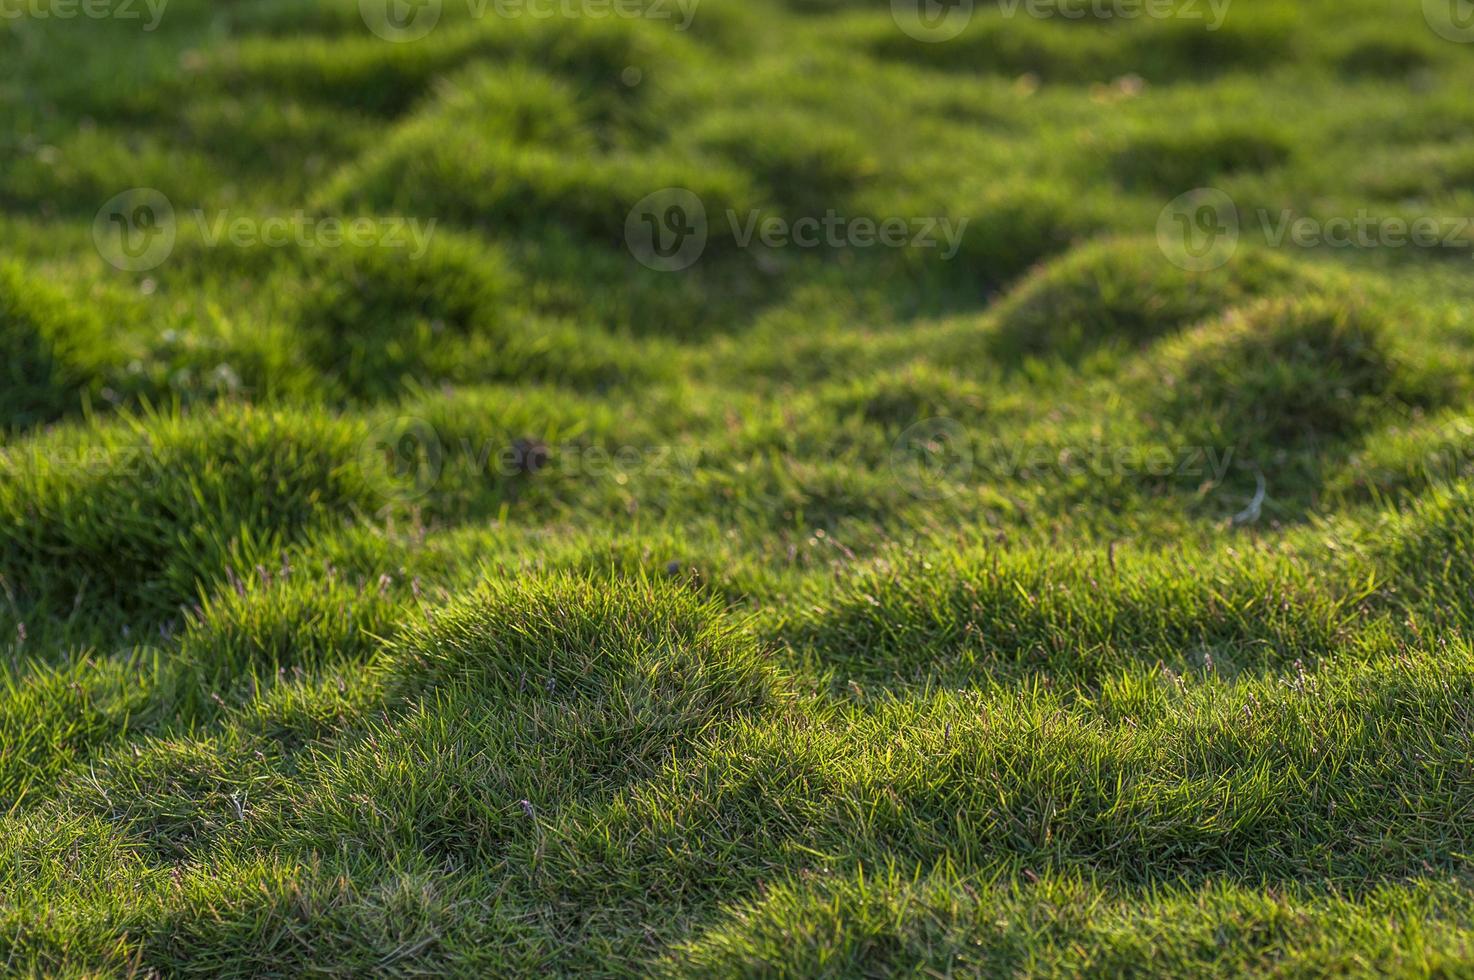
<point x="1419" y="172"/>
<point x="1124" y="293"/>
<point x="367" y="75"/>
<point x="1410" y="460"/>
<point x="381" y="322"/>
<point x="139" y="519"/>
<point x="1182" y="48"/>
<point x="1017" y="226"/>
<point x="477" y="180"/>
<point x="1089" y="43"/>
<point x="527" y="696"/>
<point x="1387" y="57"/>
<point x="1179" y="161"/>
<point x="982" y="620"/>
<point x="806" y="163"/>
<point x="54" y="352"/>
<point x="374" y="318"/>
<point x="838" y="925"/>
<point x="274" y="619"/>
<point x="652" y="656"/>
<point x="52" y="717"/>
<point x="1288" y="372"/>
<point x="177" y="795"/>
<point x="894" y="400"/>
<point x="1425" y="558"/>
<point x="1029" y="780"/>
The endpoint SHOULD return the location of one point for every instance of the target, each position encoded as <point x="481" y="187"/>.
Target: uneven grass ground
<point x="1066" y="602"/>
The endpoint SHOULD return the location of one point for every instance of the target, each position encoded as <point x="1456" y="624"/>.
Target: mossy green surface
<point x="1029" y="595"/>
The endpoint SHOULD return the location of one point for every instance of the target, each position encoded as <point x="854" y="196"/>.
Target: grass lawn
<point x="738" y="487"/>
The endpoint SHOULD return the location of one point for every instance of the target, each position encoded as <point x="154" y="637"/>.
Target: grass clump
<point x="1288" y="372"/>
<point x="653" y="656"/>
<point x="805" y="162"/>
<point x="1387" y="57"/>
<point x="1016" y="227"/>
<point x="140" y="516"/>
<point x="375" y="319"/>
<point x="1420" y="548"/>
<point x="980" y="620"/>
<point x="1091" y="43"/>
<point x="836" y="926"/>
<point x="1123" y="293"/>
<point x="177" y="795"/>
<point x="279" y="619"/>
<point x="55" y="352"/>
<point x="51" y="717"/>
<point x="526" y="697"/>
<point x="1179" y="161"/>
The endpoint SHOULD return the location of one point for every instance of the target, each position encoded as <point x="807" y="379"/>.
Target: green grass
<point x="1067" y="605"/>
